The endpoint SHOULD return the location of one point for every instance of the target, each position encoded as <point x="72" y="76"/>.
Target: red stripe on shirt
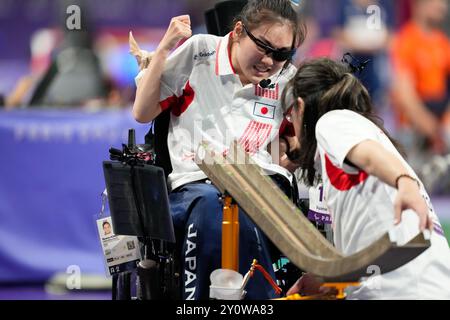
<point x="250" y="133"/>
<point x="168" y="103"/>
<point x="184" y="101"/>
<point x="342" y="180"/>
<point x="246" y="132"/>
<point x="229" y="53"/>
<point x="244" y="138"/>
<point x="263" y="136"/>
<point x="255" y="135"/>
<point x="254" y="138"/>
<point x="267" y="93"/>
<point x="217" y="58"/>
<point x="259" y="137"/>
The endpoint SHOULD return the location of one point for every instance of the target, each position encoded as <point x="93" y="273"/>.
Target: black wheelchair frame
<point x="158" y="275"/>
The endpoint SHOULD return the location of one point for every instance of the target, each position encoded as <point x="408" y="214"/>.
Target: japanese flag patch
<point x="264" y="110"/>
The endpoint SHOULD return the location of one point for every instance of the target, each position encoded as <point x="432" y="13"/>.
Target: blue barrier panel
<point x="51" y="179"/>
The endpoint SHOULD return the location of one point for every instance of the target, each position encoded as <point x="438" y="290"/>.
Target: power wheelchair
<point x="158" y="274"/>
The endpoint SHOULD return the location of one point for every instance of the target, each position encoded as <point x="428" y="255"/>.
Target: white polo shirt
<point x="209" y="103"/>
<point x="362" y="210"/>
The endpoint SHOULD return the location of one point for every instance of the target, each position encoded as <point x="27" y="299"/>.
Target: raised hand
<point x="179" y="29"/>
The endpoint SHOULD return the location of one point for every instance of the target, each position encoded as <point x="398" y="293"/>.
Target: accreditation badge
<point x="121" y="253"/>
<point x="318" y="211"/>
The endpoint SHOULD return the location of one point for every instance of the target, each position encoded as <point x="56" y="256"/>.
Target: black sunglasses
<point x="277" y="54"/>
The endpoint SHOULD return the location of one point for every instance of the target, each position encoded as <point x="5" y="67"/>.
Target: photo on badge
<point x="105" y="228"/>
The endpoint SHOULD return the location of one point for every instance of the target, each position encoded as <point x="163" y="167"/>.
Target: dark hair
<point x="325" y="85"/>
<point x="104" y="223"/>
<point x="257" y="11"/>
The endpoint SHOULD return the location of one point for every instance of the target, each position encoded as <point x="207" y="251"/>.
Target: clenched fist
<point x="179" y="29"/>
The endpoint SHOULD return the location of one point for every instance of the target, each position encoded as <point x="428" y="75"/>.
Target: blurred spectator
<point x="43" y="42"/>
<point x="74" y="77"/>
<point x="447" y="23"/>
<point x="320" y="18"/>
<point x="324" y="13"/>
<point x="306" y="11"/>
<point x="421" y="59"/>
<point x="65" y="71"/>
<point x="19" y="93"/>
<point x="364" y="31"/>
<point x="196" y="9"/>
<point x="402" y="12"/>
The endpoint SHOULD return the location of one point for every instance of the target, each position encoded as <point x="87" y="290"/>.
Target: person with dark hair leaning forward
<point x="368" y="187"/>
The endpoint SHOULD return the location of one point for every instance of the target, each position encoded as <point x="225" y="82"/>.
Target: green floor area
<point x="446" y="227"/>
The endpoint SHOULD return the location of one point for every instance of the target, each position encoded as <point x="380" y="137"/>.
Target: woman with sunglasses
<point x="368" y="187"/>
<point x="220" y="89"/>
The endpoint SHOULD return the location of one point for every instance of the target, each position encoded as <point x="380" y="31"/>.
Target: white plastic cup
<point x="226" y="285"/>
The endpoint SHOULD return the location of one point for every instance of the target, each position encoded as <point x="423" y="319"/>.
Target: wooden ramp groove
<point x="290" y="230"/>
